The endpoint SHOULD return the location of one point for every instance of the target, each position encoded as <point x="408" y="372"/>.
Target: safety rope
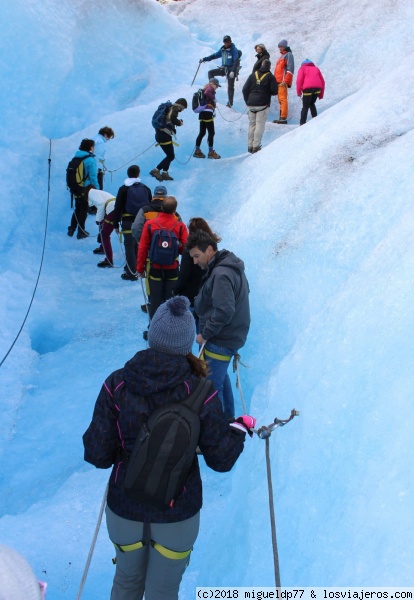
<point x="231" y="120"/>
<point x="190" y="157"/>
<point x="130" y="161"/>
<point x="41" y="260"/>
<point x="92" y="548"/>
<point x="236" y="362"/>
<point x="264" y="433"/>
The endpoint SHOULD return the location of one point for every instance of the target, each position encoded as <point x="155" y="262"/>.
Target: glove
<point x="231" y="75"/>
<point x="201" y="61"/>
<point x="246" y="422"/>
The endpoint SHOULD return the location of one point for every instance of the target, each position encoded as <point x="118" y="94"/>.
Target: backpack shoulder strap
<point x="196" y="399"/>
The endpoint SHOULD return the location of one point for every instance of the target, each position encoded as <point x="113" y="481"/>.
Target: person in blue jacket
<point x="90" y="179"/>
<point x="230" y="60"/>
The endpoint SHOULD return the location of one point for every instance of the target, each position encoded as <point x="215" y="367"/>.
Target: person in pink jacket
<point x="310" y="84"/>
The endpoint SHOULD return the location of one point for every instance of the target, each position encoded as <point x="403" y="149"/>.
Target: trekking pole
<point x="199" y="65"/>
<point x="264" y="433"/>
<point x="92" y="548"/>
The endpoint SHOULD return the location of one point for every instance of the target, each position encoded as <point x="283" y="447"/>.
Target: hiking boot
<point x="229" y="105"/>
<point x="213" y="154"/>
<point x="250" y="149"/>
<point x="129" y="277"/>
<point x="144" y="308"/>
<point x="155" y="173"/>
<point x="199" y="154"/>
<point x="165" y="176"/>
<point x="104" y="263"/>
<point x="82" y="234"/>
<point x="280" y="121"/>
<point x="256" y="149"/>
<point x="99" y="250"/>
<point x="145" y="335"/>
<point x="71" y="231"/>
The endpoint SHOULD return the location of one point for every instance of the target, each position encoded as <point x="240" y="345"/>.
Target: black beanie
<point x="182" y="101"/>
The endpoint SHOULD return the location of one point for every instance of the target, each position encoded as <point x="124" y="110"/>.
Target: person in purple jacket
<point x="206" y="118"/>
<point x="310" y="84"/>
<point x="153" y="546"/>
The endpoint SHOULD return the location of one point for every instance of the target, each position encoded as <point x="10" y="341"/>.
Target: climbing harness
<point x="92" y="548"/>
<point x="171" y="554"/>
<point x="41" y="259"/>
<point x="264" y="433"/>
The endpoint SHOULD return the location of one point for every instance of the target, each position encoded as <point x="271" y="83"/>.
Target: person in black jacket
<point x="262" y="54"/>
<point x="130" y="198"/>
<point x="258" y="89"/>
<point x="153" y="546"/>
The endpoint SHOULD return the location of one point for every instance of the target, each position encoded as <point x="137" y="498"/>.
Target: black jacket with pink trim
<point x="128" y="396"/>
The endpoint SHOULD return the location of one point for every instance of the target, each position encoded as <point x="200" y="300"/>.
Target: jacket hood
<point x="150" y="372"/>
<point x="226" y="258"/>
<point x="131" y="180"/>
<point x="265" y="66"/>
<point x="81" y="153"/>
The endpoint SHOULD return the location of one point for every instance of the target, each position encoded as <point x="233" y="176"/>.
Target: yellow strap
<point x="165" y="143"/>
<point x="172" y="554"/>
<point x="108" y="221"/>
<point x="126" y="231"/>
<point x="127" y="215"/>
<point x="217" y="356"/>
<point x="259" y="79"/>
<point x="311" y="93"/>
<point x="161" y="278"/>
<point x="206" y="120"/>
<point x="108" y="201"/>
<point x="129" y="547"/>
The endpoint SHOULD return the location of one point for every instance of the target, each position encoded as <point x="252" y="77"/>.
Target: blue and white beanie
<point x="172" y="328"/>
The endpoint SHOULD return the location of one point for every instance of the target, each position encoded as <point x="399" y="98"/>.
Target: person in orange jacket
<point x="284" y="69"/>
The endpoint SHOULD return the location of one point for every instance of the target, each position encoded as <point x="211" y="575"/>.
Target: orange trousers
<point x="282" y="96"/>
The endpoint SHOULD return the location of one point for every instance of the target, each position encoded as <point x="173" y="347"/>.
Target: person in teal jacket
<point x="90" y="179"/>
<point x="230" y="61"/>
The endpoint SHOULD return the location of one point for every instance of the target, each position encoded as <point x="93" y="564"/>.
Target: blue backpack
<point x="158" y="118"/>
<point x="137" y="197"/>
<point x="164" y="247"/>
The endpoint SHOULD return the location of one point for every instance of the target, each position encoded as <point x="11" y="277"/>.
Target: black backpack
<point x="199" y="102"/>
<point x="75" y="177"/>
<point x="164" y="248"/>
<point x="137" y="197"/>
<point x="164" y="451"/>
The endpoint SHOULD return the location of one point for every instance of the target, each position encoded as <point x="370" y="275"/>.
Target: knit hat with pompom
<point x="17" y="580"/>
<point x="172" y="328"/>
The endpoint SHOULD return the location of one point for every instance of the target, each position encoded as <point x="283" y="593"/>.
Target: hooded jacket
<point x="104" y="202"/>
<point x="128" y="396"/>
<point x="229" y="56"/>
<point x="222" y="303"/>
<point x="285" y="67"/>
<point x="90" y="170"/>
<point x="259" y="87"/>
<point x="310" y="77"/>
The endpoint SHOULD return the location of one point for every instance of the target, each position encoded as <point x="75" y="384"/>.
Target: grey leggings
<point x="145" y="569"/>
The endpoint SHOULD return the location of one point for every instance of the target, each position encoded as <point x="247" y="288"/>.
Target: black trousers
<point x="221" y="72"/>
<point x="206" y="124"/>
<point x="100" y="178"/>
<point x="161" y="285"/>
<point x="309" y="98"/>
<point x="79" y="214"/>
<point x="130" y="246"/>
<point x="165" y="142"/>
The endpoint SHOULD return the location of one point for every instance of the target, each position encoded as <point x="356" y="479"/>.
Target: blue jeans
<point x="219" y="376"/>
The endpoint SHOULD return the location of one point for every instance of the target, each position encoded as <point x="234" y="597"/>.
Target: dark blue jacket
<point x="229" y="56"/>
<point x="151" y="379"/>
